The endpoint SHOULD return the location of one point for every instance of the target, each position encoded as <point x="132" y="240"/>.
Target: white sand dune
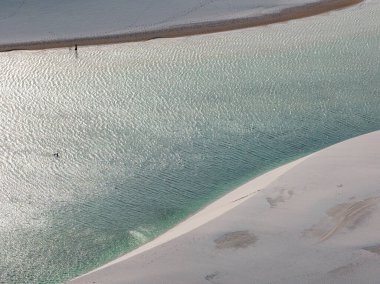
<point x="37" y="24"/>
<point x="29" y="20"/>
<point x="316" y="220"/>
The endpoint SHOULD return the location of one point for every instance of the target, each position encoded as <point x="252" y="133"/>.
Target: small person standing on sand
<point x="76" y="51"/>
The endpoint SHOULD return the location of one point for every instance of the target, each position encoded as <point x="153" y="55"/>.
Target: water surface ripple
<point x="148" y="133"/>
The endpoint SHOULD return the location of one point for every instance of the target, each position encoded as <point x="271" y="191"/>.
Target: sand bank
<point x="315" y="220"/>
<point x="177" y="30"/>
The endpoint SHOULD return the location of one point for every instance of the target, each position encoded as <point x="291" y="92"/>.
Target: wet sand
<point x="287" y="14"/>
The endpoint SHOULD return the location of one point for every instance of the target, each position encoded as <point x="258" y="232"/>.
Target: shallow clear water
<point x="150" y="132"/>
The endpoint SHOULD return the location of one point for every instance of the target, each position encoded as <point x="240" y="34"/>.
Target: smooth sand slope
<point x="39" y="24"/>
<point x="316" y="220"/>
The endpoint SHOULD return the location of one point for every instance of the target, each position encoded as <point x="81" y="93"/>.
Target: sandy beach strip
<point x="287" y="14"/>
<point x="315" y="220"/>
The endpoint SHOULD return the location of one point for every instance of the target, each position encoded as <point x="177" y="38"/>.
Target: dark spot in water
<point x="238" y="239"/>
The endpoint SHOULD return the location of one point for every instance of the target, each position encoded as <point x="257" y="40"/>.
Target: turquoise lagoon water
<point x="150" y="132"/>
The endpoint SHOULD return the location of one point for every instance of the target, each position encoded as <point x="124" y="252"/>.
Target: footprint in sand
<point x="238" y="239"/>
<point x="282" y="196"/>
<point x="346" y="215"/>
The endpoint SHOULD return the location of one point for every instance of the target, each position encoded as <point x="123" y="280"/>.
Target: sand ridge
<point x="298" y="228"/>
<point x="287" y="14"/>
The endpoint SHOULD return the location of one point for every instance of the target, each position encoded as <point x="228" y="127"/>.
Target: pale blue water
<point x="150" y="132"/>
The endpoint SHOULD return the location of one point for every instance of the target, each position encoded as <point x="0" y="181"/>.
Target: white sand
<point x="36" y="20"/>
<point x="316" y="220"/>
<point x="42" y="24"/>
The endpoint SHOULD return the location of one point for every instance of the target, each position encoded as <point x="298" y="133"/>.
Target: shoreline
<point x="190" y="239"/>
<point x="212" y="211"/>
<point x="303" y="11"/>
